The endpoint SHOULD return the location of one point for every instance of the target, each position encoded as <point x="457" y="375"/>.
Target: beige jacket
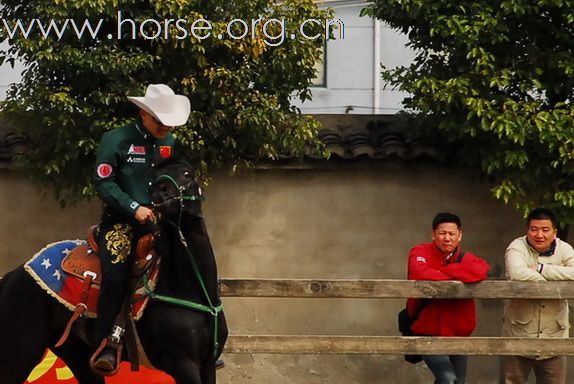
<point x="537" y="318"/>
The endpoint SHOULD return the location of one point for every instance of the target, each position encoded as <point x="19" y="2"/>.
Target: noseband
<point x="181" y="197"/>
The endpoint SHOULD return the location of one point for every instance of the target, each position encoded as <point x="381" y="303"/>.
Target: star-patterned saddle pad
<point x="45" y="268"/>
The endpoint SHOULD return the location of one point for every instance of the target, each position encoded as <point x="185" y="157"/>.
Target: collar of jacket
<point x="550" y="250"/>
<point x="448" y="257"/>
<point x="143" y="131"/>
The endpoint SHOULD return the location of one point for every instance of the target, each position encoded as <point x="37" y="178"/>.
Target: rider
<point x="124" y="172"/>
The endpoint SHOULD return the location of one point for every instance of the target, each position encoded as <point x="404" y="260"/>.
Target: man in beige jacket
<point x="538" y="256"/>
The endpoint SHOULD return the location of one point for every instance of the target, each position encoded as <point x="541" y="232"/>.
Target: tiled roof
<point x="378" y="146"/>
<point x="11" y="144"/>
<point x="374" y="138"/>
<point x="347" y="138"/>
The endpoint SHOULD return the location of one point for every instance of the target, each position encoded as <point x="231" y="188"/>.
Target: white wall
<point x="353" y="62"/>
<point x="8" y="74"/>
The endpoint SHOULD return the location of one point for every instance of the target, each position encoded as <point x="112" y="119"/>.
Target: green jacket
<point x="125" y="163"/>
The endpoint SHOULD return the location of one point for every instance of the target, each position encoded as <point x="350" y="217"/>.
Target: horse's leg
<point x="76" y="354"/>
<point x="179" y="344"/>
<point x="208" y="375"/>
<point x="25" y="326"/>
<point x="174" y="356"/>
<point x="184" y="371"/>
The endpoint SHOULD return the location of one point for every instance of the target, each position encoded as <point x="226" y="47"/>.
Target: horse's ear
<point x="189" y="156"/>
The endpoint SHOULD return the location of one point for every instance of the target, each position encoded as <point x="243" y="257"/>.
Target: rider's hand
<point x="144" y="214"/>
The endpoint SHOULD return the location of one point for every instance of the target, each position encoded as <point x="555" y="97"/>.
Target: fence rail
<point x="392" y="289"/>
<point x="397" y="345"/>
<point x="389" y="289"/>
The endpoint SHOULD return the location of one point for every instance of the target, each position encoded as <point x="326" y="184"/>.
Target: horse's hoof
<point x="219" y="364"/>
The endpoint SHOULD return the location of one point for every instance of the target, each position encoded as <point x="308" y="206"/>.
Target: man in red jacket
<point x="442" y="259"/>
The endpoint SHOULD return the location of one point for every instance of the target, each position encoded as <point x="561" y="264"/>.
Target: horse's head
<point x="176" y="190"/>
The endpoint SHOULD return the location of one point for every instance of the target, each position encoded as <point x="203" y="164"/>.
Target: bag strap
<point x="420" y="308"/>
<point x="424" y="302"/>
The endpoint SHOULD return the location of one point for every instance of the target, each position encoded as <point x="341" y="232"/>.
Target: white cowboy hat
<point x="162" y="103"/>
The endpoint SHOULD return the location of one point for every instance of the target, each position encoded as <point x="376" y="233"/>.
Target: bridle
<point x="210" y="308"/>
<point x="182" y="197"/>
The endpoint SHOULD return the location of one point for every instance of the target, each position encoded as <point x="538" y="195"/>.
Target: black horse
<point x="182" y="339"/>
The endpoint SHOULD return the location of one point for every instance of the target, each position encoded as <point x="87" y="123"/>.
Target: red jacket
<point x="444" y="317"/>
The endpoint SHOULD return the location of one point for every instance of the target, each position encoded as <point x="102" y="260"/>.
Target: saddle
<point x="83" y="262"/>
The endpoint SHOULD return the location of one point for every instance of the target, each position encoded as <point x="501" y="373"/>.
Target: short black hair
<point x="446" y="217"/>
<point x="542" y="214"/>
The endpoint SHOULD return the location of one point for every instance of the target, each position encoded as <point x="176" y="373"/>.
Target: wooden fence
<point x="391" y="289"/>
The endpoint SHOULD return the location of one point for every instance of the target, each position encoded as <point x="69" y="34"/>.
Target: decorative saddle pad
<point x="46" y="269"/>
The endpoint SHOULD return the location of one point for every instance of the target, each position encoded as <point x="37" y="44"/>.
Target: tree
<point x="239" y="61"/>
<point x="495" y="79"/>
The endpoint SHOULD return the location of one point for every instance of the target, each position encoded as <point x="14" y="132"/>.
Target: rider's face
<point x="153" y="125"/>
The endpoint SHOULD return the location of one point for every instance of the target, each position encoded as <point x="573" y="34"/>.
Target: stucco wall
<point x="345" y="223"/>
<point x="28" y="221"/>
<point x="351" y="222"/>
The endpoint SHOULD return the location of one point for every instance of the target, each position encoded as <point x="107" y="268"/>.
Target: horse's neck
<point x="198" y="247"/>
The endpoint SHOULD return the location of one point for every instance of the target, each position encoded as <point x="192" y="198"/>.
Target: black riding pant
<point x="117" y="237"/>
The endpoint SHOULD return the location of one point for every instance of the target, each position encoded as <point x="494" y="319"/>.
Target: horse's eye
<point x="186" y="174"/>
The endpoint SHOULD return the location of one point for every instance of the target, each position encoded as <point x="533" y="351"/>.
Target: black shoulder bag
<point x="405" y="321"/>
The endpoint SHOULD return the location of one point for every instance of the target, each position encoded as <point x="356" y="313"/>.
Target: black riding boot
<point x="106" y="359"/>
<point x="115" y="241"/>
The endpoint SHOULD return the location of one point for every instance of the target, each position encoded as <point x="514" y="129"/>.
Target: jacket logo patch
<point x="165" y="151"/>
<point x="104" y="170"/>
<point x="421" y="259"/>
<point x="136" y="150"/>
<point x="136" y="160"/>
